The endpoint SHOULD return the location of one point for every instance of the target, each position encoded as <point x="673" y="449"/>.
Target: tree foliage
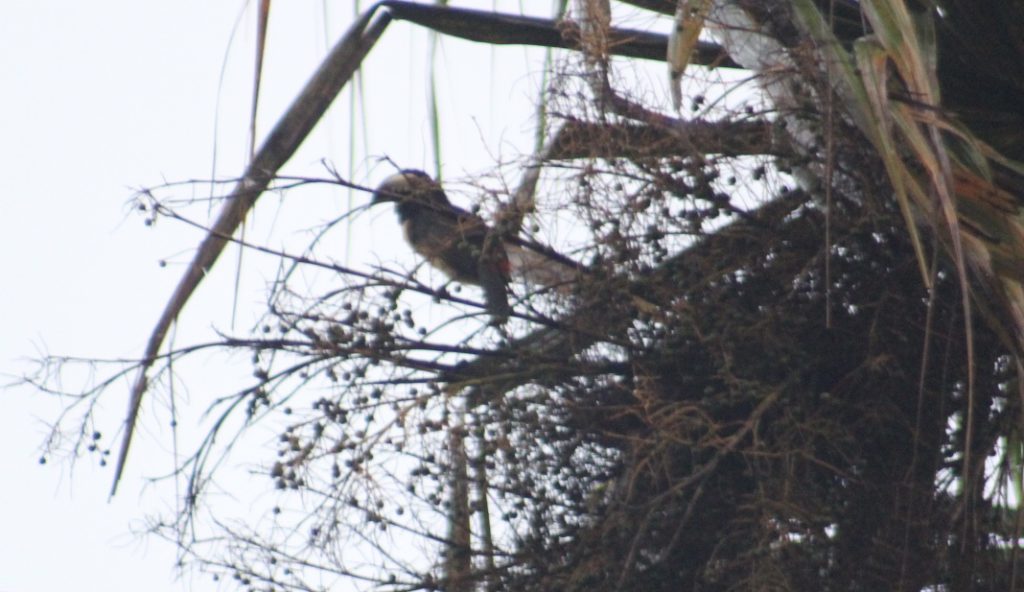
<point x="788" y="360"/>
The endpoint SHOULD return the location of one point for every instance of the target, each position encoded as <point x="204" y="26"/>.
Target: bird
<point x="457" y="242"/>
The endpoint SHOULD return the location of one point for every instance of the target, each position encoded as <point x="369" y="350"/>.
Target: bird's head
<point x="409" y="186"/>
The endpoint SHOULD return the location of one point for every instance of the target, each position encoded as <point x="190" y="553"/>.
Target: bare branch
<point x="280" y="145"/>
<point x="581" y="139"/>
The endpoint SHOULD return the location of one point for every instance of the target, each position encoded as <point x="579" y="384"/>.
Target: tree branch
<point x="508" y="29"/>
<point x="280" y="145"/>
<point x="582" y="139"/>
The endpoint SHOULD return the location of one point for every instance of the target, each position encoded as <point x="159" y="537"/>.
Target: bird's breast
<point x="441" y="247"/>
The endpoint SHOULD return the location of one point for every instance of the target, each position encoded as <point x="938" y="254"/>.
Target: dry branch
<point x="282" y="142"/>
<point x="581" y="139"/>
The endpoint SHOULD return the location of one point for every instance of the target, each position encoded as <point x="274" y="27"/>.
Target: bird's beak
<point x="402" y="185"/>
<point x="381" y="195"/>
<point x="391" y="188"/>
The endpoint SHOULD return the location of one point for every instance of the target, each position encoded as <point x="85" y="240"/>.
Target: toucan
<point x="457" y="242"/>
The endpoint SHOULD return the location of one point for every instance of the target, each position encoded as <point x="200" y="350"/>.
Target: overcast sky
<point x="102" y="98"/>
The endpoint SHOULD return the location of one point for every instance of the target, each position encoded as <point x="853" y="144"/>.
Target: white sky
<point x="103" y="97"/>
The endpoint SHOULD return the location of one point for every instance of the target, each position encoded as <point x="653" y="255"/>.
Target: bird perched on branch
<point x="451" y="239"/>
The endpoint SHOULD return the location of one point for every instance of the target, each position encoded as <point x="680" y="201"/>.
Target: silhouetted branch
<point x="582" y="139"/>
<point x="280" y="145"/>
<point x="508" y="29"/>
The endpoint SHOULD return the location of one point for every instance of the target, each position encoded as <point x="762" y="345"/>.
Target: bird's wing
<point x="470" y="226"/>
<point x="453" y="240"/>
<point x="473" y="230"/>
<point x="492" y="263"/>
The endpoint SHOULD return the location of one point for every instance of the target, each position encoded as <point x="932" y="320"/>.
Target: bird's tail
<point x="541" y="269"/>
<point x="495" y="286"/>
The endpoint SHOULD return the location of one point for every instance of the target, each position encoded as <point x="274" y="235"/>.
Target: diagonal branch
<point x="282" y="142"/>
